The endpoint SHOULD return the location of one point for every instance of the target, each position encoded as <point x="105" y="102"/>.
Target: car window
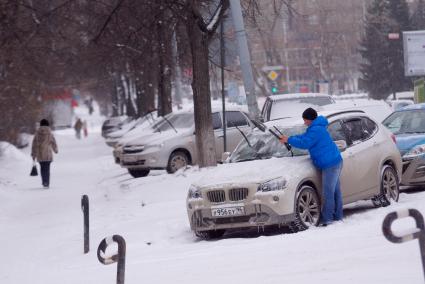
<point x="235" y="118"/>
<point x="336" y="131"/>
<point x="356" y="131"/>
<point x="216" y="120"/>
<point x="369" y="127"/>
<point x="412" y="121"/>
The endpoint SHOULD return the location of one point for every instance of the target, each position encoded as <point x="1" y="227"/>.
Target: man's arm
<point x="304" y="141"/>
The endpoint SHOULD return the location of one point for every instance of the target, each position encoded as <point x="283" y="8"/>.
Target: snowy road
<point x="42" y="231"/>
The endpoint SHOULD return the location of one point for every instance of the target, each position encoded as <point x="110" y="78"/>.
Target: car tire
<point x="210" y="235"/>
<point x="138" y="173"/>
<point x="307" y="209"/>
<point x="177" y="160"/>
<point x="390" y="189"/>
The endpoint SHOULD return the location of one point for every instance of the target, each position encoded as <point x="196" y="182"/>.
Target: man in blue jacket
<point x="326" y="157"/>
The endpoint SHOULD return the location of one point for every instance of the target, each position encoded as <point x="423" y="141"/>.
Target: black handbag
<point x="34" y="171"/>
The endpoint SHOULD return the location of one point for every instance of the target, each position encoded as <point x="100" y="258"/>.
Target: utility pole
<point x="285" y="45"/>
<point x="178" y="74"/>
<point x="244" y="57"/>
<point x="223" y="97"/>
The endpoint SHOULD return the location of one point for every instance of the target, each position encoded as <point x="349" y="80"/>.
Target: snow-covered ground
<point x="42" y="230"/>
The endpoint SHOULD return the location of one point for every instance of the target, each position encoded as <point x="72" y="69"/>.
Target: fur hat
<point x="310" y="114"/>
<point x="44" y="122"/>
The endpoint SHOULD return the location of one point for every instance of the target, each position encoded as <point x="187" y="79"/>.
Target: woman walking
<point x="43" y="146"/>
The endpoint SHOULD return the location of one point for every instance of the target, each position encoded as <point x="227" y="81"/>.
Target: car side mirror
<point x="225" y="156"/>
<point x="341" y="144"/>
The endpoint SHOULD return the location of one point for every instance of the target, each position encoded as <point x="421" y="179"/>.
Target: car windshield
<point x="264" y="145"/>
<point x="294" y="106"/>
<point x="404" y="122"/>
<point x="176" y="120"/>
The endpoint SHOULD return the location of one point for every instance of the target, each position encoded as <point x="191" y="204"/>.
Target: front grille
<point x="239" y="219"/>
<point x="420" y="172"/>
<point x="237" y="194"/>
<point x="136" y="163"/>
<point x="216" y="196"/>
<point x="132" y="150"/>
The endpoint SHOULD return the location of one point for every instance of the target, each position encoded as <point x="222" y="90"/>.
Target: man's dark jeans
<point x="45" y="173"/>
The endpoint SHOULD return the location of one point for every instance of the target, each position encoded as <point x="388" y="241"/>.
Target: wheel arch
<point x="184" y="150"/>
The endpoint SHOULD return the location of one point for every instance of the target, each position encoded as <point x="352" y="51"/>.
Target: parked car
<point x="132" y="129"/>
<point x="408" y="126"/>
<point x="172" y="145"/>
<point x="265" y="183"/>
<point x="290" y="105"/>
<point x="113" y="123"/>
<point x="399" y="104"/>
<point x="377" y="109"/>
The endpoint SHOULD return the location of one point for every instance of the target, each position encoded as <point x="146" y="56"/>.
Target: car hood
<point x="405" y="142"/>
<point x="158" y="137"/>
<point x="257" y="171"/>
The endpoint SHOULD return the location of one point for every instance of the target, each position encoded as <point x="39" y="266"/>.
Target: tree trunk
<point x="164" y="78"/>
<point x="205" y="143"/>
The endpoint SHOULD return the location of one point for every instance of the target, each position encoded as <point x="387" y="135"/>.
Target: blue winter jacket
<point x="323" y="151"/>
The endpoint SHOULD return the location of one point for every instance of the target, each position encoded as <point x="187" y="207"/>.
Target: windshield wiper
<point x="288" y="147"/>
<point x="169" y="122"/>
<point x="412" y="132"/>
<point x="244" y="136"/>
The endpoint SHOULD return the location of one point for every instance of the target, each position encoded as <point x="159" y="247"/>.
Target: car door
<point x="363" y="156"/>
<point x="235" y="120"/>
<point x="348" y="188"/>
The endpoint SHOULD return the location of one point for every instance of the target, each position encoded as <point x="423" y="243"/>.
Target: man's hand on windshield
<point x="283" y="139"/>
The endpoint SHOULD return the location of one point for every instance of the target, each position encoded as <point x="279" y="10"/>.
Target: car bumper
<point x="144" y="160"/>
<point x="413" y="171"/>
<point x="260" y="209"/>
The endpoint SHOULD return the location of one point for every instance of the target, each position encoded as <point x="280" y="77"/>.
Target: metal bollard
<point x="420" y="235"/>
<point x="120" y="257"/>
<point x="85" y="208"/>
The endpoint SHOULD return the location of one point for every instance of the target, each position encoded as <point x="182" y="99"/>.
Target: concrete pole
<point x="244" y="57"/>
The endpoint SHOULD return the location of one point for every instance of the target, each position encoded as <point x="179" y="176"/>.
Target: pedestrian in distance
<point x="85" y="130"/>
<point x="326" y="157"/>
<point x="78" y="126"/>
<point x="43" y="146"/>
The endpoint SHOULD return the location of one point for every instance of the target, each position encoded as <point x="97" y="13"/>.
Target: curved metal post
<point x="120" y="257"/>
<point x="85" y="208"/>
<point x="419" y="234"/>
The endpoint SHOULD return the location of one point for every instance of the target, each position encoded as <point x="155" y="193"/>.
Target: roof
<point x="297" y="95"/>
<point x="412" y="107"/>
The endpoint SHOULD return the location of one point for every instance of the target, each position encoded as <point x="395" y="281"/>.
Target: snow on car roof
<point x="297" y="95"/>
<point x="414" y="106"/>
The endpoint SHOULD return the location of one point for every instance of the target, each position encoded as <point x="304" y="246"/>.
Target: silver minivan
<point x="172" y="145"/>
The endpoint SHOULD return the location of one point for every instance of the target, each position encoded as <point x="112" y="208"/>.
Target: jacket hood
<point x="320" y="121"/>
<point x="44" y="130"/>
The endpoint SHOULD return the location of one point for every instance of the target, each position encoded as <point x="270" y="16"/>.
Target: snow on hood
<point x="255" y="171"/>
<point x="405" y="142"/>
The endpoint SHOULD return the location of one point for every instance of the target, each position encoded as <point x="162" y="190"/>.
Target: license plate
<point x="228" y="211"/>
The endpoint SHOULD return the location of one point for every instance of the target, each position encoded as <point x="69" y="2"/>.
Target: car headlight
<point x="272" y="185"/>
<point x="160" y="145"/>
<point x="416" y="151"/>
<point x="194" y="192"/>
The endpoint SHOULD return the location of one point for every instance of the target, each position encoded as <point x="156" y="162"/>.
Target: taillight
<point x="394" y="139"/>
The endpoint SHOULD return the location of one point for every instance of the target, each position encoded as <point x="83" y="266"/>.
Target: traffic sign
<point x="273" y="75"/>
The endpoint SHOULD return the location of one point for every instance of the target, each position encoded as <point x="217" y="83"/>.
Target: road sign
<point x="414" y="53"/>
<point x="272" y="75"/>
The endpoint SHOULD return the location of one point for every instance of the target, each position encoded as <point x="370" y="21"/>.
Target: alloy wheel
<point x="390" y="186"/>
<point x="308" y="207"/>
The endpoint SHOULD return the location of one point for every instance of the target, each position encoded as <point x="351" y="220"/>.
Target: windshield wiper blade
<point x="169" y="122"/>
<point x="244" y="136"/>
